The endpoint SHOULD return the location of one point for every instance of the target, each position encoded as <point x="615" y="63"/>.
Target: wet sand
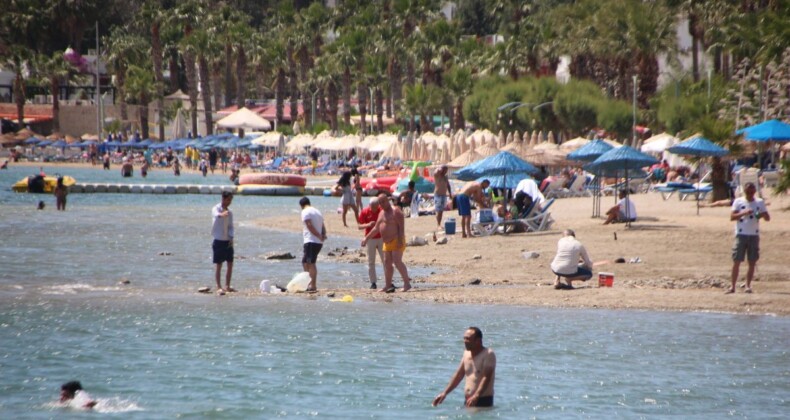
<point x="685" y="259"/>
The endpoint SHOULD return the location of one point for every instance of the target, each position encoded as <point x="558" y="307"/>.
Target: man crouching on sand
<point x="478" y="364"/>
<point x="391" y="225"/>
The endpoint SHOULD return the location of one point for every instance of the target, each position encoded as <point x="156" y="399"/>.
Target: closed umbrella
<point x="698" y="147"/>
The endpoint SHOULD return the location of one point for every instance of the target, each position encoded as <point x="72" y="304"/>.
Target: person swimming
<point x="71" y="394"/>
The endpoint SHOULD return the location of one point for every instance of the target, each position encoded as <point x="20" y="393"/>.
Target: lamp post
<point x="98" y="89"/>
<point x="633" y="127"/>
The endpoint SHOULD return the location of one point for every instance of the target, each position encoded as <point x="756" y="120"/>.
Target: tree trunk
<point x="695" y="41"/>
<point x="216" y="83"/>
<point x="241" y="77"/>
<point x="294" y="96"/>
<point x="279" y="93"/>
<point x="189" y="64"/>
<point x="156" y="57"/>
<point x="719" y="180"/>
<point x="322" y="114"/>
<point x="228" y="74"/>
<point x="459" y="114"/>
<point x="347" y="95"/>
<point x="120" y="80"/>
<point x="332" y="93"/>
<point x="143" y="109"/>
<point x="175" y="80"/>
<point x="396" y="90"/>
<point x="19" y="97"/>
<point x="205" y="86"/>
<point x="54" y="86"/>
<point x="307" y="103"/>
<point x="380" y="110"/>
<point x="362" y="96"/>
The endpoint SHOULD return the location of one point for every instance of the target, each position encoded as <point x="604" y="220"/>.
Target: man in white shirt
<point x="566" y="263"/>
<point x="527" y="187"/>
<point x="314" y="234"/>
<point x="747" y="211"/>
<point x="624" y="211"/>
<point x="222" y="231"/>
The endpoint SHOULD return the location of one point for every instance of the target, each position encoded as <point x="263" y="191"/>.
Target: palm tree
<point x="203" y="44"/>
<point x="187" y="16"/>
<point x="140" y="86"/>
<point x="52" y="70"/>
<point x="123" y="48"/>
<point x="153" y="16"/>
<point x="458" y="82"/>
<point x="18" y="61"/>
<point x="720" y="132"/>
<point x="423" y="100"/>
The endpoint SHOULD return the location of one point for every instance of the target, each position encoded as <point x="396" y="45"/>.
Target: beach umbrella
<point x="465" y="158"/>
<point x="658" y="143"/>
<point x="503" y="163"/>
<point x="32" y="140"/>
<point x="698" y="147"/>
<point x="59" y="143"/>
<point x="508" y="182"/>
<point x="573" y="144"/>
<point x="545" y="157"/>
<point x="590" y="151"/>
<point x="622" y="159"/>
<point x="487" y="149"/>
<point x="546" y="145"/>
<point x="771" y="130"/>
<point x="44" y="143"/>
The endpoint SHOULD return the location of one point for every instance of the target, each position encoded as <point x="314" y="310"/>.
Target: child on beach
<point x="176" y="167"/>
<point x="203" y="167"/>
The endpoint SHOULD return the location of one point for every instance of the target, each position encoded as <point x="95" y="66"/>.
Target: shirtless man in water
<point x="478" y="364"/>
<point x="391" y="225"/>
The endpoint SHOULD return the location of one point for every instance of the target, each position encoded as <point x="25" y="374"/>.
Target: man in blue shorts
<point x="471" y="191"/>
<point x="566" y="263"/>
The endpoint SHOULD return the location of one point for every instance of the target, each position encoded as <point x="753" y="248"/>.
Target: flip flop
<point x="390" y="289"/>
<point x="748" y="290"/>
<point x="311" y="290"/>
<point x="230" y="289"/>
<point x="729" y="291"/>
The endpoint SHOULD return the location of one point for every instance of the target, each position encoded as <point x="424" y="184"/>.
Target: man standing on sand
<point x="472" y="190"/>
<point x="747" y="211"/>
<point x="391" y="226"/>
<point x="566" y="263"/>
<point x="367" y="220"/>
<point x="222" y="247"/>
<point x="442" y="192"/>
<point x="478" y="364"/>
<point x="314" y="234"/>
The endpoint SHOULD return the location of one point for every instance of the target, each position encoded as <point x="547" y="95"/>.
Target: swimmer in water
<point x="69" y="390"/>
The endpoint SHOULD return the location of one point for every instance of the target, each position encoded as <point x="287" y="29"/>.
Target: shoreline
<point x="685" y="259"/>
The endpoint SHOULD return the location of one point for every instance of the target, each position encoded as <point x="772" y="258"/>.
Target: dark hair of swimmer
<point x="71" y="387"/>
<point x="478" y="333"/>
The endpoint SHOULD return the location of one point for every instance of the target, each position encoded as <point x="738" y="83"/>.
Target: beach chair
<point x="274" y="166"/>
<point x="770" y="179"/>
<point x="540" y="221"/>
<point x="485" y="223"/>
<point x="554" y="189"/>
<point x="577" y="188"/>
<point x="699" y="191"/>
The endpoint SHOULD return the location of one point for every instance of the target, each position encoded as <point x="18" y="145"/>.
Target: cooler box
<point x="605" y="279"/>
<point x="449" y="226"/>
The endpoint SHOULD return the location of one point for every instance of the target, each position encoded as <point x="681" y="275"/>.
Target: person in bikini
<point x="391" y="225"/>
<point x="478" y="364"/>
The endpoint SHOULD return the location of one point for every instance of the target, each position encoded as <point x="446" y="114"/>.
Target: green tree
<point x="52" y="71"/>
<point x="140" y="86"/>
<point x="123" y="48"/>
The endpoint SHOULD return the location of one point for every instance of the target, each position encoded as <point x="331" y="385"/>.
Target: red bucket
<point x="605" y="279"/>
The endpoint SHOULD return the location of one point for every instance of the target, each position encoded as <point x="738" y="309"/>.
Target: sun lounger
<point x="699" y="191"/>
<point x="531" y="221"/>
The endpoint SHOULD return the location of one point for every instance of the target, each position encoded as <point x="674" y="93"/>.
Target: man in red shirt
<point x="367" y="219"/>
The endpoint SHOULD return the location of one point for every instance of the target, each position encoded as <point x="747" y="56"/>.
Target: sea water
<point x="156" y="349"/>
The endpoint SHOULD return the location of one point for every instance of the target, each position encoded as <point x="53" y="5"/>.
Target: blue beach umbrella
<point x="44" y="143"/>
<point x="59" y="143"/>
<point x="699" y="147"/>
<point x="32" y="140"/>
<point x="507" y="182"/>
<point x="502" y="163"/>
<point x="624" y="159"/>
<point x="771" y="130"/>
<point x="421" y="185"/>
<point x="590" y="151"/>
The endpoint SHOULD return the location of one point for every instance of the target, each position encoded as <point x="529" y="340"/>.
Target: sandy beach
<point x="685" y="260"/>
<point x="684" y="263"/>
